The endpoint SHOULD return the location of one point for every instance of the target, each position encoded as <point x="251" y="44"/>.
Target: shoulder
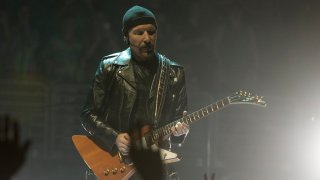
<point x="171" y="62"/>
<point x="120" y="58"/>
<point x="107" y="63"/>
<point x="176" y="70"/>
<point x="110" y="59"/>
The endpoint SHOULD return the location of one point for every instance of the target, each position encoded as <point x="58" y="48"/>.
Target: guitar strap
<point x="161" y="88"/>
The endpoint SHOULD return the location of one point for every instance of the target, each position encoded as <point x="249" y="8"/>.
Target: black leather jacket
<point x="112" y="97"/>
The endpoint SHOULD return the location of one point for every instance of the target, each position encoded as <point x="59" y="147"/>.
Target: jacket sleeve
<point x="182" y="105"/>
<point x="93" y="113"/>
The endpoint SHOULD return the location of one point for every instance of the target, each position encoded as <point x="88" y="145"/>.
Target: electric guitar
<point x="116" y="167"/>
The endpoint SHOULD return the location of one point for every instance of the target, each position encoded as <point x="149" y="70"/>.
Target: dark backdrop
<point x="49" y="51"/>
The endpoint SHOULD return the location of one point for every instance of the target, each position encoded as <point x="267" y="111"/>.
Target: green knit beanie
<point x="137" y="15"/>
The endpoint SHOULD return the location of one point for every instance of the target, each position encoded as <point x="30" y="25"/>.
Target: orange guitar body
<point x="103" y="164"/>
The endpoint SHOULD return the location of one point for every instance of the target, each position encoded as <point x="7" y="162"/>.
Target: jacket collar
<point x="127" y="72"/>
<point x="123" y="58"/>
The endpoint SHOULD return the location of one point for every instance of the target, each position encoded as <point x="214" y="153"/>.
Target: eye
<point x="152" y="32"/>
<point x="140" y="32"/>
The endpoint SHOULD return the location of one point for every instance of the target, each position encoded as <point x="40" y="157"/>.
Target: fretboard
<point x="190" y="118"/>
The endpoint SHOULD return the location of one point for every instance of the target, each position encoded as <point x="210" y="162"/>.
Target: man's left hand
<point x="180" y="129"/>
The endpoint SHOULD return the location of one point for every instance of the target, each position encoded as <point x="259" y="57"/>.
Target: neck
<point x="145" y="60"/>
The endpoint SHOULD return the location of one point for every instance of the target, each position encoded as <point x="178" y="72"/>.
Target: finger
<point x="179" y="128"/>
<point x="173" y="130"/>
<point x="175" y="133"/>
<point x="124" y="143"/>
<point x="186" y="129"/>
<point x="127" y="137"/>
<point x="185" y="126"/>
<point x="182" y="128"/>
<point x="124" y="140"/>
<point x="179" y="125"/>
<point x="123" y="151"/>
<point x="123" y="148"/>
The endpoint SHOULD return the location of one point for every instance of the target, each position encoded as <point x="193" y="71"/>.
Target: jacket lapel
<point x="126" y="72"/>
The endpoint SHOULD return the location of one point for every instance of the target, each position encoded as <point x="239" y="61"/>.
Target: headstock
<point x="244" y="97"/>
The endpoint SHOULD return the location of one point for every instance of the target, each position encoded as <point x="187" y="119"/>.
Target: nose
<point x="146" y="37"/>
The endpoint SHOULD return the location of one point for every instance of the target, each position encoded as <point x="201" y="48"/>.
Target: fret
<point x="185" y="120"/>
<point x="220" y="105"/>
<point x="215" y="107"/>
<point x="197" y="114"/>
<point x="202" y="113"/>
<point x="206" y="110"/>
<point x="190" y="118"/>
<point x="226" y="101"/>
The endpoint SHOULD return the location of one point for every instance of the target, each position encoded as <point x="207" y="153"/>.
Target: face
<point x="143" y="41"/>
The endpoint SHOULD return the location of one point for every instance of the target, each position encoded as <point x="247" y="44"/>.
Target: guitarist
<point x="136" y="86"/>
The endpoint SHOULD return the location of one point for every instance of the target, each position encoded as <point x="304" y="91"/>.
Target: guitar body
<point x="111" y="167"/>
<point x="102" y="163"/>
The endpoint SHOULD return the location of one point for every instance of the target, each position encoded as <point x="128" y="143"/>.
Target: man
<point x="136" y="86"/>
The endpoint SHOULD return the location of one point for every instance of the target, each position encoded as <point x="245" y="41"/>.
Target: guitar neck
<point x="190" y="118"/>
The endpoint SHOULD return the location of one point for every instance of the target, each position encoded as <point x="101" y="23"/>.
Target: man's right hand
<point x="123" y="143"/>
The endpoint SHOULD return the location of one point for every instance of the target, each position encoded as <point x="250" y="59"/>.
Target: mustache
<point x="148" y="45"/>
